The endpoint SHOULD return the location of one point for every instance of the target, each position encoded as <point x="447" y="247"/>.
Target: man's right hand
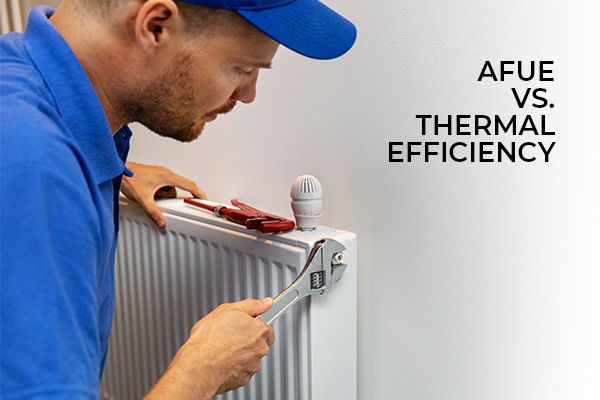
<point x="223" y="352"/>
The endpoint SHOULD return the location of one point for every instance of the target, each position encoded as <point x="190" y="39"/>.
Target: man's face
<point x="205" y="78"/>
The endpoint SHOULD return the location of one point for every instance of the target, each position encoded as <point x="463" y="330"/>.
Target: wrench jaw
<point x="331" y="266"/>
<point x="323" y="269"/>
<point x="336" y="272"/>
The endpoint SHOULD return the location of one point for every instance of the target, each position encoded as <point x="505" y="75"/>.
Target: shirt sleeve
<point x="49" y="253"/>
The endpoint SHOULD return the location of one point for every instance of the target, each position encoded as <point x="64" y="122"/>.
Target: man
<point x="69" y="85"/>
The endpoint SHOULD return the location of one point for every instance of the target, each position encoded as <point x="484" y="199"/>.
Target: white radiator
<point x="166" y="280"/>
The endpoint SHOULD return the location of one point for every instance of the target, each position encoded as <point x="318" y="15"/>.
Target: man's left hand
<point x="150" y="183"/>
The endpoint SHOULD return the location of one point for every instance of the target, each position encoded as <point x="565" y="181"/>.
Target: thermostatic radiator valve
<point x="307" y="201"/>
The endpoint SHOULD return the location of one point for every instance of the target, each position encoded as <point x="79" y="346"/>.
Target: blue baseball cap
<point x="307" y="27"/>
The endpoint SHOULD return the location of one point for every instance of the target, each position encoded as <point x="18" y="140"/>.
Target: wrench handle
<point x="281" y="303"/>
<point x="304" y="284"/>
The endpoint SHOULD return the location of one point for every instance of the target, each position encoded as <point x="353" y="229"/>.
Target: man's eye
<point x="246" y="71"/>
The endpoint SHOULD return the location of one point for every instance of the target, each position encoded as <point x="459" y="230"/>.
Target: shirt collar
<point x="75" y="97"/>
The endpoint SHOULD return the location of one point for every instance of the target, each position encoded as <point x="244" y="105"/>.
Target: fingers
<point x="255" y="307"/>
<point x="152" y="182"/>
<point x="166" y="192"/>
<point x="187" y="185"/>
<point x="270" y="335"/>
<point x="153" y="212"/>
<point x="233" y="340"/>
<point x="165" y="178"/>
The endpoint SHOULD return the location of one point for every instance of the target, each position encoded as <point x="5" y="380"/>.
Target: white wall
<point x="477" y="280"/>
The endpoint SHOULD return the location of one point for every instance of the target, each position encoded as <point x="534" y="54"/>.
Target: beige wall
<point x="476" y="280"/>
<point x="13" y="13"/>
<point x="28" y="4"/>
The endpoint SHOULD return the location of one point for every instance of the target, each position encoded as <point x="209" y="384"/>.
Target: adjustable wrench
<point x="323" y="269"/>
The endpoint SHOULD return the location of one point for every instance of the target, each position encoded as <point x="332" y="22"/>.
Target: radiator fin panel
<point x="166" y="280"/>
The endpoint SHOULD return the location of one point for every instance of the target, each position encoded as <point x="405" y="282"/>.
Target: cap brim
<point x="307" y="27"/>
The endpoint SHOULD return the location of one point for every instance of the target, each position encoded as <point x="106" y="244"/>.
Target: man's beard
<point x="166" y="106"/>
<point x="221" y="110"/>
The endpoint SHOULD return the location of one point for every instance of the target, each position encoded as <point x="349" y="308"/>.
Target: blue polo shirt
<point x="61" y="171"/>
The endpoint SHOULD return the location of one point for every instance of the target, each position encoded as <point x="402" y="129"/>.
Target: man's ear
<point x="155" y="22"/>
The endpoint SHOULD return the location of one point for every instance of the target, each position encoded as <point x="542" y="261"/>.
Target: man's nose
<point x="246" y="92"/>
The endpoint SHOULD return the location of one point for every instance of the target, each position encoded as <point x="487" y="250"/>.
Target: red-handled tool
<point x="248" y="216"/>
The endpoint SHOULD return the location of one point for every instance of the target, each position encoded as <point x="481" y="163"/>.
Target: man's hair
<point x="197" y="19"/>
<point x="201" y="19"/>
